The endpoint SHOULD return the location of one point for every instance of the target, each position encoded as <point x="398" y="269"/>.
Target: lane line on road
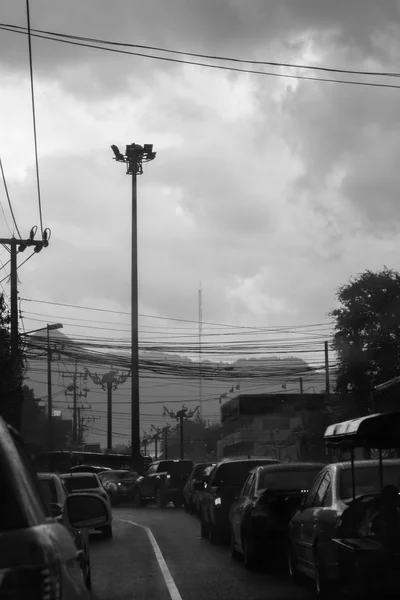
<point x="169" y="582"/>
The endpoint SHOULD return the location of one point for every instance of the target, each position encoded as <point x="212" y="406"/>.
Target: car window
<point x="295" y="479"/>
<point x="80" y="483"/>
<point x="322" y="491"/>
<point x="48" y="490"/>
<point x="367" y="480"/>
<point x="311" y="495"/>
<point x="234" y="473"/>
<point x="152" y="469"/>
<point x="108" y="477"/>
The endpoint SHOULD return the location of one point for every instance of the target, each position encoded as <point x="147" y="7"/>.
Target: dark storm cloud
<point x="236" y="28"/>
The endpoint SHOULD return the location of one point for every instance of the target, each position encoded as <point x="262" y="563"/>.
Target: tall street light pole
<point x="134" y="157"/>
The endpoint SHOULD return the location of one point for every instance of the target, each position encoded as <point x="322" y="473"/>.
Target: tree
<point x="367" y="332"/>
<point x="34" y="429"/>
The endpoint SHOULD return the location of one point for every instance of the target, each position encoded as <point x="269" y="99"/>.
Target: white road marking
<point x="169" y="582"/>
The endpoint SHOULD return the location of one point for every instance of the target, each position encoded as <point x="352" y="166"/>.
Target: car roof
<point x="294" y="466"/>
<point x="45" y="476"/>
<point x="259" y="459"/>
<point x="77" y="475"/>
<point x="361" y="464"/>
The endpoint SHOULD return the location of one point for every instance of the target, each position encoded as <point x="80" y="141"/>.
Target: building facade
<point x="288" y="427"/>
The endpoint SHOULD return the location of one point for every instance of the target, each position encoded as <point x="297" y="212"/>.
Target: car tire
<point x="137" y="499"/>
<point x="107" y="531"/>
<point x="250" y="558"/>
<point x="161" y="500"/>
<point x="204" y="530"/>
<point x="177" y="503"/>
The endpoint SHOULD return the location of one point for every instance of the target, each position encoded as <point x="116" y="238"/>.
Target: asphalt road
<point x="159" y="555"/>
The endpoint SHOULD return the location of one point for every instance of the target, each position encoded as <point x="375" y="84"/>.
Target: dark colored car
<point x="188" y="491"/>
<point x="163" y="481"/>
<point x="119" y="485"/>
<point x="38" y="558"/>
<point x="312" y="529"/>
<point x="55" y="493"/>
<point x="88" y="469"/>
<point x="224" y="485"/>
<point x="260" y="516"/>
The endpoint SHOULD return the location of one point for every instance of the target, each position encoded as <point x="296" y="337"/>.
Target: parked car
<point x="311" y="550"/>
<point x="53" y="570"/>
<point x="260" y="516"/>
<point x="189" y="491"/>
<point x="225" y="482"/>
<point x="119" y="485"/>
<point x="55" y="494"/>
<point x="163" y="481"/>
<point x="199" y="493"/>
<point x="89" y="482"/>
<point x="88" y="469"/>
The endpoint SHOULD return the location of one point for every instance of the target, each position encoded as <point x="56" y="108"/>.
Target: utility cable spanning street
<point x="158" y="553"/>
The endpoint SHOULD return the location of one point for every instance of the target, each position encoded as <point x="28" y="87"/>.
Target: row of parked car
<point x="266" y="510"/>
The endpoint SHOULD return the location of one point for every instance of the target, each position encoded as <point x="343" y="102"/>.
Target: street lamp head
<point x="117" y="153"/>
<point x="55" y="326"/>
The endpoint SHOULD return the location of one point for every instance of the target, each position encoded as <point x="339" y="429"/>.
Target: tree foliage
<point x="367" y="332"/>
<point x="198" y="439"/>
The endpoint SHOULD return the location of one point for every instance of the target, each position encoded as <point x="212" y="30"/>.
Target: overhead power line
<point x="72" y="41"/>
<point x="9" y="200"/>
<point x="247" y="61"/>
<point x="34" y="116"/>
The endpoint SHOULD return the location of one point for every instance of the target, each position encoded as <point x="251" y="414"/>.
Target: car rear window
<point x="367" y="480"/>
<point x="234" y="473"/>
<point x="174" y="468"/>
<point x="48" y="490"/>
<point x="288" y="480"/>
<point x="80" y="483"/>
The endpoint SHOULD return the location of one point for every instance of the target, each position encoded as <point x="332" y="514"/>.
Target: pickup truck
<point x="163" y="482"/>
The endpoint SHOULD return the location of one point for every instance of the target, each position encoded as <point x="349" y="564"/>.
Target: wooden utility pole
<point x="17" y="246"/>
<point x="327" y="383"/>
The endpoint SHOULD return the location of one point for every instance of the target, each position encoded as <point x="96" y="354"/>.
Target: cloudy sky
<point x="271" y="191"/>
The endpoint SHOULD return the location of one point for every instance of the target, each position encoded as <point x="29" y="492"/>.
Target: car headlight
<point x="168" y="476"/>
<point x="218" y="501"/>
<point x="119" y="483"/>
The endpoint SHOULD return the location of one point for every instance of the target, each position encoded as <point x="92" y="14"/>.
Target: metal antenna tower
<point x="200" y="306"/>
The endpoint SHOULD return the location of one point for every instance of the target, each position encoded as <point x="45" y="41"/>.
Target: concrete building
<point x="289" y="427"/>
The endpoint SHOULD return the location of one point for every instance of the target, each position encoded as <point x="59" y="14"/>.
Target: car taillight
<point x="31" y="583"/>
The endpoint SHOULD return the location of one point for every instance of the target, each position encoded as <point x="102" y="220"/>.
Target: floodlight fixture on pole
<point x="134" y="157"/>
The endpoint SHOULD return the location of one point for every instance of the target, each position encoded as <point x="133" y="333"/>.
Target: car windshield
<point x="80" y="483"/>
<point x="234" y="473"/>
<point x="48" y="490"/>
<point x="367" y="480"/>
<point x="287" y="480"/>
<point x="199" y="471"/>
<point x="127" y="475"/>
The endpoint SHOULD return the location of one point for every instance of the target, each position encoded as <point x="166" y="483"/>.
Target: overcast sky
<point x="271" y="191"/>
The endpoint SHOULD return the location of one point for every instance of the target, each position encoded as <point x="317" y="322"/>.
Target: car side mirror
<point x="199" y="486"/>
<point x="84" y="510"/>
